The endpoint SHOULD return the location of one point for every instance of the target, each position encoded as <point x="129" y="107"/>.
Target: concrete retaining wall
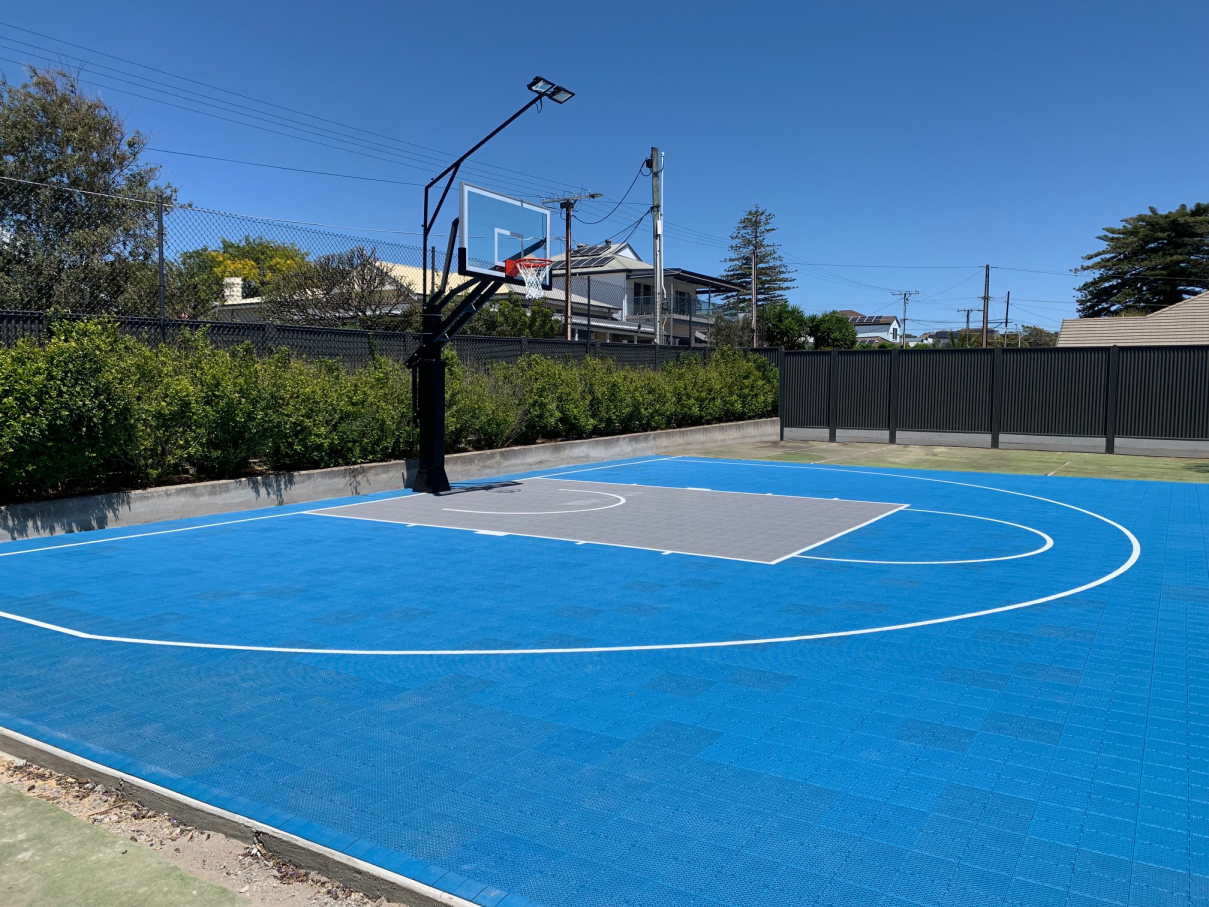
<point x="43" y="518"/>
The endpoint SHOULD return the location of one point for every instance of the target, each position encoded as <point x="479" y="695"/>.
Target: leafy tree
<point x="731" y="330"/>
<point x="774" y="278"/>
<point x="61" y="246"/>
<point x="343" y="289"/>
<point x="509" y="318"/>
<point x="1036" y="336"/>
<point x="831" y="331"/>
<point x="1155" y="260"/>
<point x="785" y="325"/>
<point x="196" y="280"/>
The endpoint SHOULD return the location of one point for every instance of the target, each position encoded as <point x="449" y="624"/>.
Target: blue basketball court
<point x="747" y="683"/>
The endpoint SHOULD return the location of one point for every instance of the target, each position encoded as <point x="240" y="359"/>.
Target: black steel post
<point x="1110" y="399"/>
<point x="430" y="474"/>
<point x="996" y="394"/>
<point x="833" y="394"/>
<point x="159" y="219"/>
<point x="892" y="399"/>
<point x="430" y="370"/>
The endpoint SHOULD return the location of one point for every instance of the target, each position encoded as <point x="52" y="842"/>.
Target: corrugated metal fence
<point x="1105" y="392"/>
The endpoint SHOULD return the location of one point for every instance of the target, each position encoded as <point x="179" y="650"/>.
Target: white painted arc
<point x="1046" y="545"/>
<point x="620" y="500"/>
<point x="1135" y="553"/>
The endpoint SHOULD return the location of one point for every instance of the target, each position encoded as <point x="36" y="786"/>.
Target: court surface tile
<point x="747" y="683"/>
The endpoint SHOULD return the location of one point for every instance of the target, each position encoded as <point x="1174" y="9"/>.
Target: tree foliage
<point x="1155" y="260"/>
<point x="59" y="246"/>
<point x="90" y="408"/>
<point x="1037" y="336"/>
<point x="831" y="331"/>
<point x="350" y="288"/>
<point x="510" y="318"/>
<point x="785" y="325"/>
<point x="774" y="278"/>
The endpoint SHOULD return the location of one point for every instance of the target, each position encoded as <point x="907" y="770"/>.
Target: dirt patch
<point x="247" y="870"/>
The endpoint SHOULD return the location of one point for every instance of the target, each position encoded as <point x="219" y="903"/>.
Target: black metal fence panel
<point x="864" y="389"/>
<point x="805" y="377"/>
<point x="945" y="390"/>
<point x="1054" y="391"/>
<point x="485" y="351"/>
<point x="1152" y="392"/>
<point x="1163" y="392"/>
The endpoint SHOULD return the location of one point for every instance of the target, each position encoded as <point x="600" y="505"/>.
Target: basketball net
<point x="533" y="271"/>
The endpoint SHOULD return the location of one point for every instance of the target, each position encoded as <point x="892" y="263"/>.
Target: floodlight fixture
<point x="547" y="89"/>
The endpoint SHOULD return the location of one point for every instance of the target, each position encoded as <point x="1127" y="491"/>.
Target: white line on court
<point x="570" y="472"/>
<point x="1135" y="553"/>
<point x="1048" y="544"/>
<point x="143" y="535"/>
<point x="619" y="502"/>
<point x="832" y="538"/>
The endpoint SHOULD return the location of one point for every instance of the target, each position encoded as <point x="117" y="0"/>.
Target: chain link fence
<point x="160" y="269"/>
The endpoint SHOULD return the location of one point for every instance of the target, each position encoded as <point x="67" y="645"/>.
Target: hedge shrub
<point x="90" y="409"/>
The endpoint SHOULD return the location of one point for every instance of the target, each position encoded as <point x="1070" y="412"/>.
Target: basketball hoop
<point x="531" y="270"/>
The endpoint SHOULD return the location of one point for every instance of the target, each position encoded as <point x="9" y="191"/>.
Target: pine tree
<point x="1155" y="260"/>
<point x="774" y="278"/>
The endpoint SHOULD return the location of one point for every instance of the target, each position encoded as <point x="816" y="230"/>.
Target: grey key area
<point x="748" y="527"/>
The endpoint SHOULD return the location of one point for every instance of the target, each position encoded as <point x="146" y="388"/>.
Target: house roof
<point x="1184" y="324"/>
<point x="704" y="281"/>
<point x="872" y="320"/>
<point x="605" y="256"/>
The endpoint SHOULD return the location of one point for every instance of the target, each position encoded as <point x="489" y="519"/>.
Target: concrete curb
<point x="44" y="518"/>
<point x="356" y="874"/>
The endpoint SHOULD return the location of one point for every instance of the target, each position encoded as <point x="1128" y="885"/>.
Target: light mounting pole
<point x="428" y="369"/>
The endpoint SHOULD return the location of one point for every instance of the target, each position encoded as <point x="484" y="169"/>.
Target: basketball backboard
<point x="495" y="228"/>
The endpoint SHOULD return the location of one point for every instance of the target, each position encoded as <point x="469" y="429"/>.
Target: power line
<point x="633" y="183"/>
<point x="399" y="157"/>
<point x="264" y="103"/>
<point x="347" y="176"/>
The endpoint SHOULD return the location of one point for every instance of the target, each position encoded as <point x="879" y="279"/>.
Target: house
<point x="873" y="329"/>
<point x="1183" y="324"/>
<point x="621" y="290"/>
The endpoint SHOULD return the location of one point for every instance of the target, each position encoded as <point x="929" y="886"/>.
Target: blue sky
<point x="928" y="137"/>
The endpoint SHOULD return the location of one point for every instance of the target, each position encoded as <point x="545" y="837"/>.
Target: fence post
<point x="996" y="394"/>
<point x="833" y="394"/>
<point x="892" y="399"/>
<point x="159" y="222"/>
<point x="1110" y="400"/>
<point x="524" y="346"/>
<point x="781" y="363"/>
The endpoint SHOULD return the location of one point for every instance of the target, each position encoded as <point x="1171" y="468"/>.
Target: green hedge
<point x="91" y="409"/>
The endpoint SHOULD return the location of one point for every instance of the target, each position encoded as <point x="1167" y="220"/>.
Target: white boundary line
<point x="1135" y="553"/>
<point x="143" y="535"/>
<point x="1049" y="543"/>
<point x="832" y="538"/>
<point x="531" y="535"/>
<point x="620" y="501"/>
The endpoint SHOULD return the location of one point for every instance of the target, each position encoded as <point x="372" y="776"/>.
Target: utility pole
<point x="986" y="304"/>
<point x="1007" y="307"/>
<point x="656" y="165"/>
<point x="567" y="203"/>
<point x="905" y="294"/>
<point x="968" y="312"/>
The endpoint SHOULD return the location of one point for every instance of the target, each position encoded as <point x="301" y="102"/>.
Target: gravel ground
<point x="247" y="870"/>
